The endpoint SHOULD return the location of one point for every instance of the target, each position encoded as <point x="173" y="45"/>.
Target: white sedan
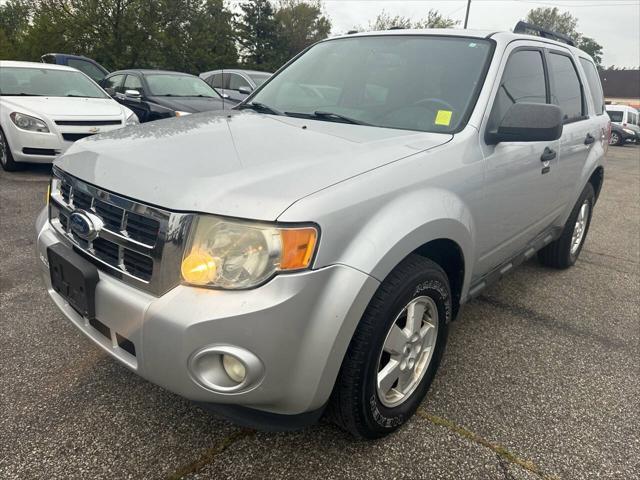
<point x="44" y="108"/>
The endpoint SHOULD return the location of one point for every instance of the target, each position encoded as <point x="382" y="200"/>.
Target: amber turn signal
<point x="298" y="246"/>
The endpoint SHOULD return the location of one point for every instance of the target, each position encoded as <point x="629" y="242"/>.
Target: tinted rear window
<point x="566" y="91"/>
<point x="593" y="79"/>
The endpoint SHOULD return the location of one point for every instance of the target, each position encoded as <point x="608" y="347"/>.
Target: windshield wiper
<point x="21" y="95"/>
<point x="321" y="114"/>
<point x="260" y="107"/>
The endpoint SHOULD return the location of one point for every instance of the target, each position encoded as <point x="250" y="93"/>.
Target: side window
<point x="566" y="90"/>
<point x="114" y="82"/>
<point x="593" y="79"/>
<point x="133" y="83"/>
<point x="236" y="81"/>
<point x="225" y="81"/>
<point x="523" y="80"/>
<point x="215" y="80"/>
<point x="87" y="68"/>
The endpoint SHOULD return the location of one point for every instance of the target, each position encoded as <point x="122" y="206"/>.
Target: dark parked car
<point x="620" y="135"/>
<point x="155" y="94"/>
<point x="235" y="85"/>
<point x="89" y="67"/>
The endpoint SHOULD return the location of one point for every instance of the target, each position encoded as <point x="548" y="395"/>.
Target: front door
<point x="521" y="178"/>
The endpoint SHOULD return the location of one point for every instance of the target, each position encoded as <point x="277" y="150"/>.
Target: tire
<point x="6" y="159"/>
<point x="563" y="252"/>
<point x="357" y="404"/>
<point x="616" y="139"/>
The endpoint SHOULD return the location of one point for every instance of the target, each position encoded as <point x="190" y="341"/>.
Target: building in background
<point x="621" y="86"/>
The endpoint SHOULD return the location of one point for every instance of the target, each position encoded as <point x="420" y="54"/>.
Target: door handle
<point x="548" y="155"/>
<point x="589" y="139"/>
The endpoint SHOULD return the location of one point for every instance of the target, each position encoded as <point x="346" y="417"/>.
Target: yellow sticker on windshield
<point x="443" y="117"/>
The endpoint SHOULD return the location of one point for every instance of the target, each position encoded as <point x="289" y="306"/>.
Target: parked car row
<point x="45" y="107"/>
<point x="625" y="122"/>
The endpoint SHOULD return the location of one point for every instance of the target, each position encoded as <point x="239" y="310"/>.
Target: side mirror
<point x="528" y="122"/>
<point x="245" y="90"/>
<point x="132" y="94"/>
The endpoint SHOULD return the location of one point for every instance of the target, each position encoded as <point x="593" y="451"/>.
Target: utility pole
<point x="466" y="17"/>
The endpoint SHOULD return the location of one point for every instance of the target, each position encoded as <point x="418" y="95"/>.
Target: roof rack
<point x="529" y="29"/>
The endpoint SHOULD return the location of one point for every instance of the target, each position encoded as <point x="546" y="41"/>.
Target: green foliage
<point x="567" y="24"/>
<point x="300" y="24"/>
<point x="185" y="35"/>
<point x="434" y="19"/>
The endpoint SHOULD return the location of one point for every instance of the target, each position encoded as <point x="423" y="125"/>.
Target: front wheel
<point x="615" y="139"/>
<point x="6" y="159"/>
<point x="564" y="252"/>
<point x="395" y="351"/>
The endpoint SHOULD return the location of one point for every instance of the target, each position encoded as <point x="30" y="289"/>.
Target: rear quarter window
<point x="595" y="87"/>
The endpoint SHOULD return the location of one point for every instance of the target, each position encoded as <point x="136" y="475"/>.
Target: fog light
<point x="234" y="368"/>
<point x="226" y="368"/>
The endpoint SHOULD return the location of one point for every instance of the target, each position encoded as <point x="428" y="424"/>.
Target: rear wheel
<point x="564" y="252"/>
<point x="395" y="351"/>
<point x="6" y="159"/>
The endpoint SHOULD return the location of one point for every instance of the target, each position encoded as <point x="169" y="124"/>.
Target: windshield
<point x="48" y="83"/>
<point x="424" y="83"/>
<point x="615" y="116"/>
<point x="163" y="85"/>
<point x="259" y="78"/>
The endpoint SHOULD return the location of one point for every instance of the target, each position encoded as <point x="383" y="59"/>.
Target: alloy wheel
<point x="407" y="351"/>
<point x="613" y="139"/>
<point x="580" y="227"/>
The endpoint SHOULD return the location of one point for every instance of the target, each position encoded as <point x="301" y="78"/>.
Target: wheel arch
<point x="597" y="179"/>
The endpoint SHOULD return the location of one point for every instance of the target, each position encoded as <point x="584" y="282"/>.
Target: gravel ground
<point x="540" y="379"/>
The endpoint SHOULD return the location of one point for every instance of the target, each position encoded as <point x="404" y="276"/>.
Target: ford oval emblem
<point x="81" y="224"/>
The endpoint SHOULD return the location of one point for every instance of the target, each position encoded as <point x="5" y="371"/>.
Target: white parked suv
<point x="45" y="108"/>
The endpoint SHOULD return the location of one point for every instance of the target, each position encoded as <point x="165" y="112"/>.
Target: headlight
<point x="26" y="122"/>
<point x="233" y="254"/>
<point x="182" y="114"/>
<point x="132" y="120"/>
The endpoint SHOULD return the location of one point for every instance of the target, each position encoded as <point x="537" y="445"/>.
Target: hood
<point x="237" y="163"/>
<point x="66" y="106"/>
<point x="189" y="104"/>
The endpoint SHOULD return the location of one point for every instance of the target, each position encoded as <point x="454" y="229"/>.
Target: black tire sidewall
<point x="432" y="283"/>
<point x="587" y="194"/>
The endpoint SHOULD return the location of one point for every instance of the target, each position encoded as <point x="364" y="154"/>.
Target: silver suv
<point x="306" y="252"/>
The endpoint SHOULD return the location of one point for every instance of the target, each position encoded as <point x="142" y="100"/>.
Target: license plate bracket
<point x="74" y="278"/>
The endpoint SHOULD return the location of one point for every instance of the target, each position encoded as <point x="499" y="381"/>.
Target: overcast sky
<point x="615" y="24"/>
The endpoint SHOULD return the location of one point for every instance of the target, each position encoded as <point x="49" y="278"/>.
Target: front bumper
<point x="298" y="325"/>
<point x="38" y="147"/>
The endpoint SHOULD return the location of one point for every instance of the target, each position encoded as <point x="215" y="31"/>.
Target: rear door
<point x="521" y="178"/>
<point x="580" y="132"/>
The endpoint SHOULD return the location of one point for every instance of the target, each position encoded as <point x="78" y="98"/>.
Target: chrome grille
<point x="138" y="243"/>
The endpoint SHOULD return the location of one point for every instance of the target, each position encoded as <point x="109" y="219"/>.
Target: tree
<point x="593" y="48"/>
<point x="257" y="34"/>
<point x="434" y="19"/>
<point x="14" y="20"/>
<point x="565" y="23"/>
<point x="300" y="24"/>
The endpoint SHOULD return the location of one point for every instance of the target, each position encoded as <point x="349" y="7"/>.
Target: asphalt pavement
<point x="540" y="379"/>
